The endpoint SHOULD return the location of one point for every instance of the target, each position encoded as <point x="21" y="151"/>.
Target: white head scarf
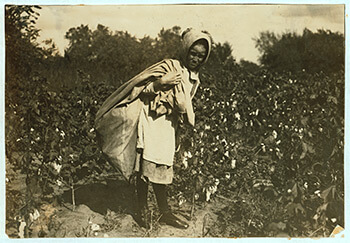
<point x="189" y="37"/>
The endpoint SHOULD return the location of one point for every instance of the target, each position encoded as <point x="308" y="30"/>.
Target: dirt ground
<point x="106" y="210"/>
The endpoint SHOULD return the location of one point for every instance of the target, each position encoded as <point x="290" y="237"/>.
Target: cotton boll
<point x="237" y="116"/>
<point x="274" y="134"/>
<point x="233" y="163"/>
<point x="207" y="195"/>
<point x="95" y="227"/>
<point x="36" y="214"/>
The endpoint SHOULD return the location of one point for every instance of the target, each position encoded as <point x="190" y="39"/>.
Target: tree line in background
<point x="269" y="136"/>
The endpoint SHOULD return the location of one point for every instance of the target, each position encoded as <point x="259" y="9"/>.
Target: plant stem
<point x="73" y="196"/>
<point x="193" y="204"/>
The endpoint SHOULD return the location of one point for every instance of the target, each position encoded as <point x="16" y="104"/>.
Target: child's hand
<point x="167" y="82"/>
<point x="180" y="99"/>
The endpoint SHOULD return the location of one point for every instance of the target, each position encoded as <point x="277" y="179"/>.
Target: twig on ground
<point x="315" y="231"/>
<point x="205" y="224"/>
<point x="147" y="233"/>
<point x="225" y="198"/>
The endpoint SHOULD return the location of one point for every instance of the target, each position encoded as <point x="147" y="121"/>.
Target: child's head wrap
<point x="191" y="36"/>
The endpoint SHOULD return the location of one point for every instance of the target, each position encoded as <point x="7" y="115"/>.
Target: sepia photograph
<point x="174" y="120"/>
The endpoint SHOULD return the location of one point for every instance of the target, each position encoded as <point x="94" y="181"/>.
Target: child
<point x="144" y="114"/>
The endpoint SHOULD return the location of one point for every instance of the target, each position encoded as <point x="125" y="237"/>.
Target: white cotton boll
<point x="206" y="127"/>
<point x="207" y="195"/>
<point x="62" y="134"/>
<point x="95" y="227"/>
<point x="233" y="163"/>
<point x="59" y="183"/>
<point x="306" y="185"/>
<point x="217" y="182"/>
<point x="31" y="217"/>
<point x="237" y="116"/>
<point x="227" y="154"/>
<point x="185" y="163"/>
<point x="189" y="155"/>
<point x="36" y="214"/>
<point x="57" y="167"/>
<point x="274" y="134"/>
<point x="234" y="104"/>
<point x="182" y="201"/>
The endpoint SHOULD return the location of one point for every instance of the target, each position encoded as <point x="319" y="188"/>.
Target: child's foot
<point x="170" y="219"/>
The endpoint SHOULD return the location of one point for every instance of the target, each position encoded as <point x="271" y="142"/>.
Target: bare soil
<point x="106" y="210"/>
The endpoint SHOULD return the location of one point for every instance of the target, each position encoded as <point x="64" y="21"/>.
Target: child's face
<point x="196" y="56"/>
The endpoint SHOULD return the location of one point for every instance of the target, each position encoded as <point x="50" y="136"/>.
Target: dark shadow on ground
<point x="115" y="195"/>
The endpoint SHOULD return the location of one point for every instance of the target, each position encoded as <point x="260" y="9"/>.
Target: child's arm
<point x="179" y="99"/>
<point x="183" y="102"/>
<point x="149" y="89"/>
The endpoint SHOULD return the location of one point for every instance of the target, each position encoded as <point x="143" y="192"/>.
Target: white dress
<point x="156" y="137"/>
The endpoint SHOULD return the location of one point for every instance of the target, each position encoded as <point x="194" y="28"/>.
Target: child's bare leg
<point x="162" y="201"/>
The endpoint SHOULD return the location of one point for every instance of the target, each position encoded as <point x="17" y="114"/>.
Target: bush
<point x="275" y="142"/>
